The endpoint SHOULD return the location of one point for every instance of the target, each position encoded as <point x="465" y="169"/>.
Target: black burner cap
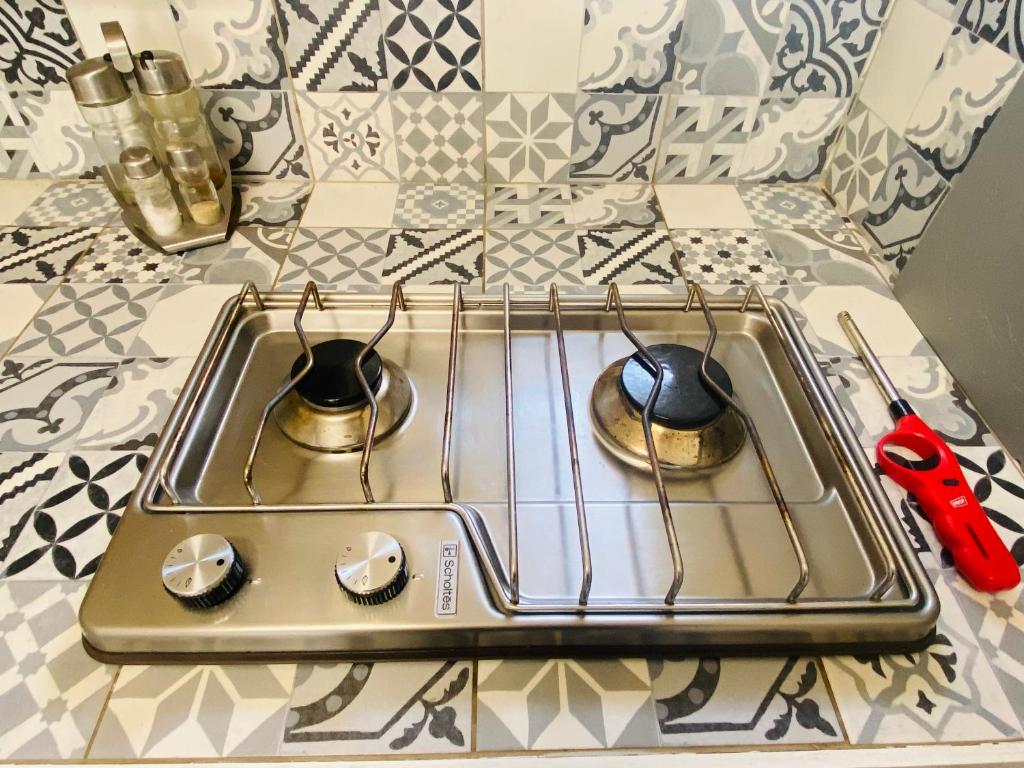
<point x="332" y="381"/>
<point x="683" y="402"/>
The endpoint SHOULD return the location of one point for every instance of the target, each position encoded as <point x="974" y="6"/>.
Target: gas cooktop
<point x="354" y="475"/>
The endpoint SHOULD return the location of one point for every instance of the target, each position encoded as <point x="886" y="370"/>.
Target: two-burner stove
<point x="357" y="475"/>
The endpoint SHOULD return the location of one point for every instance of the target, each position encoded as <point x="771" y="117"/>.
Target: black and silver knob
<point x="203" y="570"/>
<point x="371" y="568"/>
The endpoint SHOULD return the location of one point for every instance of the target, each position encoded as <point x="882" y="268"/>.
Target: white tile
<point x="703" y="206"/>
<point x="20" y="303"/>
<point x="180" y="322"/>
<point x="532" y="45"/>
<point x="908" y="50"/>
<point x="146" y="24"/>
<point x="351" y="205"/>
<point x="15" y="197"/>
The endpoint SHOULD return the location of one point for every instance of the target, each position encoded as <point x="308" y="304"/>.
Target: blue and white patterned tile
<point x="716" y="701"/>
<point x="53" y="693"/>
<point x="630" y="47"/>
<point x="791" y="139"/>
<point x="959" y="102"/>
<point x="399" y="708"/>
<point x="615" y="137"/>
<point x="38" y="44"/>
<point x="332" y="257"/>
<point x="862" y="153"/>
<point x="260" y="132"/>
<point x="564" y="704"/>
<point x="439" y="136"/>
<point x="529" y="137"/>
<point x="232" y="43"/>
<point x="907" y="199"/>
<point x="350" y="136"/>
<point x="435" y="257"/>
<point x="433" y="45"/>
<point x="704" y="137"/>
<point x="616" y="206"/>
<point x="825" y="46"/>
<point x="531" y="258"/>
<point x="628" y="257"/>
<point x="997" y="21"/>
<point x="334" y="45"/>
<point x="727" y="47"/>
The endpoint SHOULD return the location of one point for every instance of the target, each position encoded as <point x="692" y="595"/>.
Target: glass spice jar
<point x="192" y="173"/>
<point x="152" y="192"/>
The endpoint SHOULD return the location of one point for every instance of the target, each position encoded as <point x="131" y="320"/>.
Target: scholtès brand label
<point x="447" y="579"/>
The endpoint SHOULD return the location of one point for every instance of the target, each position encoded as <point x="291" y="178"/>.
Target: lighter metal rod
<point x="861" y="347"/>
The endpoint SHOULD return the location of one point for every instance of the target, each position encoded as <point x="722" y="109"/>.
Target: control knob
<point x="203" y="570"/>
<point x="371" y="568"/>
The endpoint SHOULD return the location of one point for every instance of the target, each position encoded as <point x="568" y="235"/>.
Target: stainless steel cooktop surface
<point x="507" y="502"/>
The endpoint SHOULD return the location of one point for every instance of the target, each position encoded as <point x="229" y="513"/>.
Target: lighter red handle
<point x="949" y="503"/>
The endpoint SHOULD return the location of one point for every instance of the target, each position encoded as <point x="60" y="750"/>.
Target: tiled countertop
<point x="98" y="333"/>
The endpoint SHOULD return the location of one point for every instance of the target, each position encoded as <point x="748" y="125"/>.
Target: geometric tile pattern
<point x="704" y="137"/>
<point x="383" y="708"/>
<point x="529" y="137"/>
<point x="52" y="692"/>
<point x="117" y="256"/>
<point x="334" y="257"/>
<point x="435" y="257"/>
<point x="534" y="257"/>
<point x="712" y="700"/>
<point x="627" y="256"/>
<point x="616" y="205"/>
<point x="615" y="137"/>
<point x="40" y="255"/>
<point x="564" y="704"/>
<point x="67" y="534"/>
<point x="195" y="711"/>
<point x="529" y="205"/>
<point x="349" y="135"/>
<point x="439" y="137"/>
<point x="23" y="480"/>
<point x="98" y="321"/>
<point x="433" y="45"/>
<point x="727" y="257"/>
<point x="789" y="207"/>
<point x="17" y="150"/>
<point x="70" y="204"/>
<point x="826" y="257"/>
<point x="439" y="207"/>
<point x="862" y="152"/>
<point x="251" y="253"/>
<point x="791" y="139"/>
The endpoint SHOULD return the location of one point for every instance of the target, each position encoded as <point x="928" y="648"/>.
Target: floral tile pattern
<point x="627" y="256"/>
<point x="709" y="700"/>
<point x="117" y="256"/>
<point x="616" y="205"/>
<point x="439" y="207"/>
<point x="704" y="137"/>
<point x="67" y="534"/>
<point x="435" y="257"/>
<point x="38" y="44"/>
<point x="789" y="207"/>
<point x="615" y="138"/>
<point x="947" y="692"/>
<point x="272" y="203"/>
<point x="333" y="257"/>
<point x="383" y="708"/>
<point x="41" y="255"/>
<point x="791" y="138"/>
<point x="350" y="136"/>
<point x="966" y="90"/>
<point x="727" y="47"/>
<point x="259" y="131"/>
<point x="529" y="136"/>
<point x="81" y="320"/>
<point x="439" y="137"/>
<point x="248" y="51"/>
<point x="907" y="199"/>
<point x="529" y="205"/>
<point x="251" y="253"/>
<point x="334" y="45"/>
<point x="825" y="46"/>
<point x="564" y="704"/>
<point x="828" y="257"/>
<point x="433" y="45"/>
<point x="52" y="691"/>
<point x="70" y="204"/>
<point x="44" y="403"/>
<point x="137" y="402"/>
<point x="998" y="21"/>
<point x="864" y="149"/>
<point x="534" y="257"/>
<point x="23" y="480"/>
<point x="195" y="711"/>
<point x="727" y="257"/>
<point x="632" y="48"/>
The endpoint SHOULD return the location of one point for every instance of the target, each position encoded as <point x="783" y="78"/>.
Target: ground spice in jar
<point x="206" y="211"/>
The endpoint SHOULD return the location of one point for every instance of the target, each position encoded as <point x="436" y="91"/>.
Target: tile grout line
<point x="819" y="661"/>
<point x="102" y="714"/>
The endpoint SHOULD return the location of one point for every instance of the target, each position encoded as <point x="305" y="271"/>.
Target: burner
<point x="692" y="427"/>
<point x="328" y="409"/>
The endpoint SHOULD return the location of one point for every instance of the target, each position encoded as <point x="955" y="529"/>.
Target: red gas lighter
<point x="938" y="484"/>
